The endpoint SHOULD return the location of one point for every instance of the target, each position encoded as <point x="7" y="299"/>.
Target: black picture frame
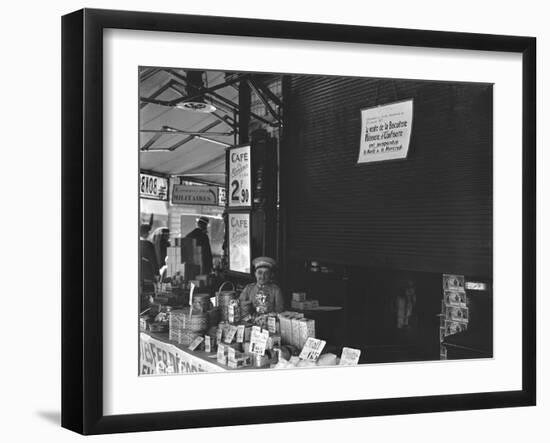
<point x="82" y="160"/>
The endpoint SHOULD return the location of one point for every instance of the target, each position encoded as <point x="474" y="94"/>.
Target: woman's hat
<point x="264" y="262"/>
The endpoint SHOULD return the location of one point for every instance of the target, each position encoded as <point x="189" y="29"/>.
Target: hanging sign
<point x="194" y="195"/>
<point x="153" y="187"/>
<point x="240" y="177"/>
<point x="239" y="242"/>
<point x="385" y="132"/>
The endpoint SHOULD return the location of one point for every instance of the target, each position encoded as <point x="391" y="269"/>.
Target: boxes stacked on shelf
<point x="454" y="315"/>
<point x="295" y="329"/>
<point x="236" y="359"/>
<point x="299" y="301"/>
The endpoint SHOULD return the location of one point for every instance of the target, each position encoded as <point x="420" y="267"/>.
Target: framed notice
<point x="109" y="55"/>
<point x="239" y="194"/>
<point x="386" y="132"/>
<point x="239" y="242"/>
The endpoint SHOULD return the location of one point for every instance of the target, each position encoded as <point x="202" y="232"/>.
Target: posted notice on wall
<point x="240" y="177"/>
<point x="239" y="242"/>
<point x="385" y="132"/>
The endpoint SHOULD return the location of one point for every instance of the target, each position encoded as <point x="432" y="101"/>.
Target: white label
<point x="312" y="349"/>
<point x="350" y="356"/>
<point x="258" y="341"/>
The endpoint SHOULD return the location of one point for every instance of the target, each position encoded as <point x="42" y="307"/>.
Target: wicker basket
<point x="196" y="322"/>
<point x="224" y="298"/>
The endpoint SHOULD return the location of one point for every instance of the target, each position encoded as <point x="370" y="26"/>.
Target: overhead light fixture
<point x="211" y="140"/>
<point x="204" y="108"/>
<point x="194" y="89"/>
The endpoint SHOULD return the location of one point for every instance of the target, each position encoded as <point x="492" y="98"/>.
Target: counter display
<point x="226" y="335"/>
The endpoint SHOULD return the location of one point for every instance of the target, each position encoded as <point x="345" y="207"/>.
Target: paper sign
<point x="312" y="349"/>
<point x="350" y="356"/>
<point x="258" y="341"/>
<point x="195" y="343"/>
<point x="240" y="177"/>
<point x="240" y="334"/>
<point x="221" y="356"/>
<point x="194" y="195"/>
<point x="385" y="132"/>
<point x="219" y="334"/>
<point x="207" y="344"/>
<point x="239" y="242"/>
<point x="230" y="334"/>
<point x="153" y="187"/>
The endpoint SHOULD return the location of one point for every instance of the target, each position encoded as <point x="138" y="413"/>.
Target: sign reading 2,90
<point x="240" y="177"/>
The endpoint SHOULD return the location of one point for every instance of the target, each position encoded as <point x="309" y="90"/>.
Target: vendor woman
<point x="264" y="295"/>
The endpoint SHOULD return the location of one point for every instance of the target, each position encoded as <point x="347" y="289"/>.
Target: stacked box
<point x="303" y="305"/>
<point x="298" y="296"/>
<point x="306" y="328"/>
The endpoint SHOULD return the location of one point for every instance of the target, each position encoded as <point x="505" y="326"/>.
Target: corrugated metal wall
<point x="431" y="212"/>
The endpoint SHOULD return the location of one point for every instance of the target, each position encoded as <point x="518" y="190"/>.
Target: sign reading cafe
<point x="385" y="132"/>
<point x="240" y="177"/>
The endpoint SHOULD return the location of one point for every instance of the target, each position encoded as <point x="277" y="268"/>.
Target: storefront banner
<point x="385" y="132"/>
<point x="153" y="187"/>
<point x="239" y="242"/>
<point x="240" y="177"/>
<point x="157" y="357"/>
<point x="194" y="195"/>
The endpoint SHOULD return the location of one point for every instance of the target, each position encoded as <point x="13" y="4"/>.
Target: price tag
<point x="207" y="344"/>
<point x="240" y="334"/>
<point x="312" y="349"/>
<point x="350" y="356"/>
<point x="195" y="343"/>
<point x="219" y="334"/>
<point x="230" y="334"/>
<point x="258" y="341"/>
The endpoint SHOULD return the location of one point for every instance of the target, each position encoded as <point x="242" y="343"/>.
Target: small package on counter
<point x="240" y="334"/>
<point x="222" y="354"/>
<point x="195" y="343"/>
<point x="272" y="324"/>
<point x="247" y="333"/>
<point x="350" y="356"/>
<point x="298" y="296"/>
<point x="230" y="333"/>
<point x="209" y="343"/>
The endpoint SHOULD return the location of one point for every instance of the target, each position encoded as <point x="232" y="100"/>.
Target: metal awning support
<point x="265" y="102"/>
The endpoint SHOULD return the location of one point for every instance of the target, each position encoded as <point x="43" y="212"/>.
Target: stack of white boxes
<point x="295" y="329"/>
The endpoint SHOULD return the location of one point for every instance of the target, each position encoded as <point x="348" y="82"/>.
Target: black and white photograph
<point x="294" y="220"/>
